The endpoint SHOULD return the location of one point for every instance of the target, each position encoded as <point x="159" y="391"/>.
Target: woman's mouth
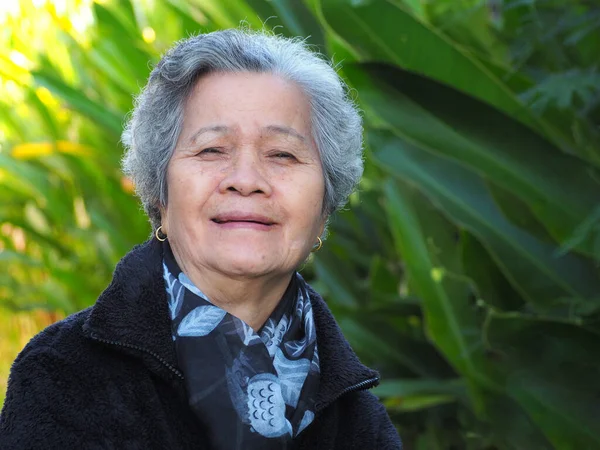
<point x="243" y="220"/>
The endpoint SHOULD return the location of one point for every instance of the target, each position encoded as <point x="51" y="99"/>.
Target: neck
<point x="249" y="299"/>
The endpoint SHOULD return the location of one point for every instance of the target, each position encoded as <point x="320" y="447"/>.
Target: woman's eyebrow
<point x="270" y="130"/>
<point x="287" y="131"/>
<point x="221" y="129"/>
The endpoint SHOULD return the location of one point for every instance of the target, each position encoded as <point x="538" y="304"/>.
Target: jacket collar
<point x="132" y="315"/>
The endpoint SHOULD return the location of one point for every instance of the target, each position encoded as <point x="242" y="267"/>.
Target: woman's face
<point x="245" y="183"/>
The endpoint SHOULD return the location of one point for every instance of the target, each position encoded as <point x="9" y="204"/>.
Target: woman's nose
<point x="246" y="176"/>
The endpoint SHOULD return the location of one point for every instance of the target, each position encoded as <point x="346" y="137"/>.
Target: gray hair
<point x="153" y="129"/>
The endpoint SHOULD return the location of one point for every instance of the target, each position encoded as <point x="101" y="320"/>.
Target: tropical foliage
<point x="465" y="269"/>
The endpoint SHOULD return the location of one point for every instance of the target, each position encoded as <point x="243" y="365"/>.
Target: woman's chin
<point x="246" y="263"/>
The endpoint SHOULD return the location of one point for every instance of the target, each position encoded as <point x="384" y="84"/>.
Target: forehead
<point x="247" y="95"/>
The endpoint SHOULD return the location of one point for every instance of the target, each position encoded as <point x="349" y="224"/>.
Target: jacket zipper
<point x="141" y="349"/>
<point x="363" y="385"/>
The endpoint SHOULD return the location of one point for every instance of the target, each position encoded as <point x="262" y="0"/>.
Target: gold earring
<point x="318" y="247"/>
<point x="159" y="229"/>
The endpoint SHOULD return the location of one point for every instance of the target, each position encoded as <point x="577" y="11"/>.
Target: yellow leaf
<point x="37" y="149"/>
<point x="46" y="97"/>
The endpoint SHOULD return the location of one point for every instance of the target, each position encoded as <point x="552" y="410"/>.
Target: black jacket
<point x="107" y="378"/>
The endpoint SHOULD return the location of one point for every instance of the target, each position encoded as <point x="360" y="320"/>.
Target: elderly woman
<point x="241" y="146"/>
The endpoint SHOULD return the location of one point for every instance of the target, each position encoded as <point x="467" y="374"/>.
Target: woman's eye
<point x="210" y="150"/>
<point x="284" y="155"/>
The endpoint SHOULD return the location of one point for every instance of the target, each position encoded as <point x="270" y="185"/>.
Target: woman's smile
<point x="243" y="220"/>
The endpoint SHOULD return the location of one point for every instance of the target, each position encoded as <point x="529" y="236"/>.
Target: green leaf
<point x="40" y="186"/>
<point x="230" y="14"/>
<point x="8" y="256"/>
<point x="55" y="296"/>
<point x="565" y="89"/>
<point x="10" y="120"/>
<point x="560" y="192"/>
<point x="27" y="178"/>
<point x="48" y="242"/>
<point x="332" y="271"/>
<point x="126" y="65"/>
<point x="555" y="369"/>
<point x="382" y="280"/>
<point x="411" y="387"/>
<point x="513" y="428"/>
<point x="380" y="30"/>
<point x="418" y="402"/>
<point x="299" y="21"/>
<point x="491" y="285"/>
<point x="518" y="212"/>
<point x="383" y="30"/>
<point x="47" y="119"/>
<point x="116" y="19"/>
<point x="589" y="227"/>
<point x="107" y="56"/>
<point x="188" y="23"/>
<point x="529" y="264"/>
<point x="432" y="266"/>
<point x="368" y="341"/>
<point x="93" y="110"/>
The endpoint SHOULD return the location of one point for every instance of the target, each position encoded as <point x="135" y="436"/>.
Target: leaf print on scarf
<point x="296" y="348"/>
<point x="246" y="333"/>
<point x="302" y="299"/>
<point x="175" y="292"/>
<point x="309" y="325"/>
<point x="314" y="364"/>
<point x="272" y="334"/>
<point x="183" y="279"/>
<point x="292" y="373"/>
<point x="306" y="420"/>
<point x="266" y="408"/>
<point x="201" y="321"/>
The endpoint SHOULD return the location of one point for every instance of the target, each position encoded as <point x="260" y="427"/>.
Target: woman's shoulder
<point x="356" y="420"/>
<point x="366" y="419"/>
<point x="364" y="405"/>
<point x="63" y="337"/>
<point x="53" y="390"/>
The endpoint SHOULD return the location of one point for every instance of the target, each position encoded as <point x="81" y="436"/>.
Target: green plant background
<point x="465" y="268"/>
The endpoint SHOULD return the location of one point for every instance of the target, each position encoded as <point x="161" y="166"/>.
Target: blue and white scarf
<point x="252" y="390"/>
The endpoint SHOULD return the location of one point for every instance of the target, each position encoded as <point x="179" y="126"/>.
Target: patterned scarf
<point x="252" y="390"/>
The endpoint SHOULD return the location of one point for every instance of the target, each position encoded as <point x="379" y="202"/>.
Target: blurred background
<point x="466" y="268"/>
